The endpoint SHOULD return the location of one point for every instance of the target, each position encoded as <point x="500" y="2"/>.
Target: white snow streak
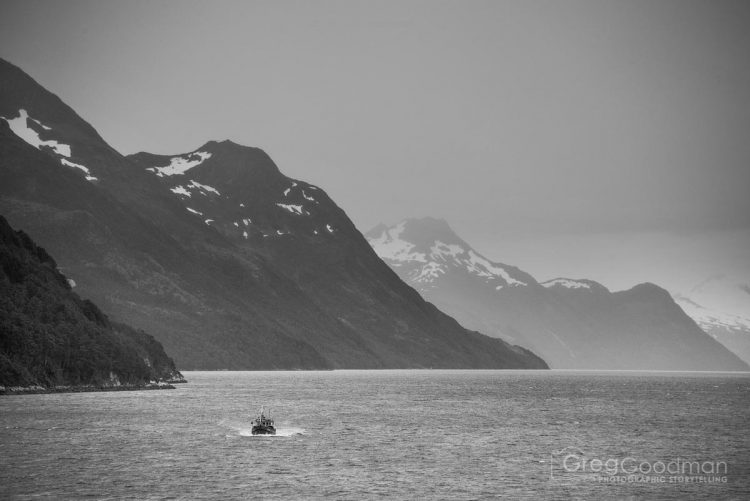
<point x="308" y="197"/>
<point x="203" y="187"/>
<point x="485" y="268"/>
<point x="294" y="209"/>
<point x="567" y="283"/>
<point x="180" y="190"/>
<point x="429" y="272"/>
<point x="389" y="245"/>
<point x="85" y="169"/>
<point x="440" y="250"/>
<point x="180" y="165"/>
<point x="710" y="317"/>
<point x="20" y="128"/>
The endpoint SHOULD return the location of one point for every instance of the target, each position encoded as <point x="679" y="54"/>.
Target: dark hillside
<point x="51" y="337"/>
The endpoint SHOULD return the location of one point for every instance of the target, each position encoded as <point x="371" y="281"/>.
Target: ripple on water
<point x="362" y="434"/>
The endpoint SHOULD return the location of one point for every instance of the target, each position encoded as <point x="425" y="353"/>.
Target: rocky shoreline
<point x="35" y="390"/>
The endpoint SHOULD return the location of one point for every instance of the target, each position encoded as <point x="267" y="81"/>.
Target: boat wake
<point x="246" y="430"/>
<point x="280" y="432"/>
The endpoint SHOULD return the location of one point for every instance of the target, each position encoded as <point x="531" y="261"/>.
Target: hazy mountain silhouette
<point x="570" y="323"/>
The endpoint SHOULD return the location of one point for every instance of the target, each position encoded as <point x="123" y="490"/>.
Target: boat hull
<point x="264" y="430"/>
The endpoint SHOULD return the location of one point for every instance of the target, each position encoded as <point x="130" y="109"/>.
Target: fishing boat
<point x="263" y="425"/>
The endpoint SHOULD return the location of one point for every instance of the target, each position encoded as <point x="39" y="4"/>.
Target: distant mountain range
<point x="225" y="260"/>
<point x="721" y="306"/>
<point x="571" y="323"/>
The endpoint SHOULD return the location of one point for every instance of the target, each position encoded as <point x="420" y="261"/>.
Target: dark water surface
<point x="386" y="434"/>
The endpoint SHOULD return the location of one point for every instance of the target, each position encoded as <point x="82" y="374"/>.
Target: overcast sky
<point x="598" y="139"/>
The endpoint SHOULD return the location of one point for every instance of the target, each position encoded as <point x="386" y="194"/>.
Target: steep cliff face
<point x="50" y="337"/>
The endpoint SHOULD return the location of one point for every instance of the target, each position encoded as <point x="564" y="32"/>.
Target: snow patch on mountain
<point x="194" y="211"/>
<point x="40" y="124"/>
<point x="484" y="268"/>
<point x="439" y="257"/>
<point x="567" y="283"/>
<point x="20" y="128"/>
<point x="85" y="169"/>
<point x="180" y="190"/>
<point x="294" y="209"/>
<point x="718" y="301"/>
<point x="390" y="246"/>
<point x="308" y="197"/>
<point x="429" y="272"/>
<point x="708" y="317"/>
<point x="203" y="187"/>
<point x="180" y="165"/>
<point x="441" y="250"/>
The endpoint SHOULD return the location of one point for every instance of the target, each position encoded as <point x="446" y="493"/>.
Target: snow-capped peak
<point x="391" y="247"/>
<point x="429" y="249"/>
<point x="708" y="317"/>
<point x="718" y="301"/>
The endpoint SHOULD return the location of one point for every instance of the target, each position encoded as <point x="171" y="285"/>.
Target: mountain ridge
<point x="228" y="262"/>
<point x="576" y="324"/>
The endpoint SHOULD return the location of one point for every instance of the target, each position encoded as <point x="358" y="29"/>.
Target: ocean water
<point x="387" y="434"/>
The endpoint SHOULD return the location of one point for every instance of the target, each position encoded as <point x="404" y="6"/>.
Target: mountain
<point x="229" y="263"/>
<point x="572" y="324"/>
<point x="50" y="337"/>
<point x="721" y="306"/>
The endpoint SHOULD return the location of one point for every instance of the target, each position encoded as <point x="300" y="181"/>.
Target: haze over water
<point x="381" y="434"/>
